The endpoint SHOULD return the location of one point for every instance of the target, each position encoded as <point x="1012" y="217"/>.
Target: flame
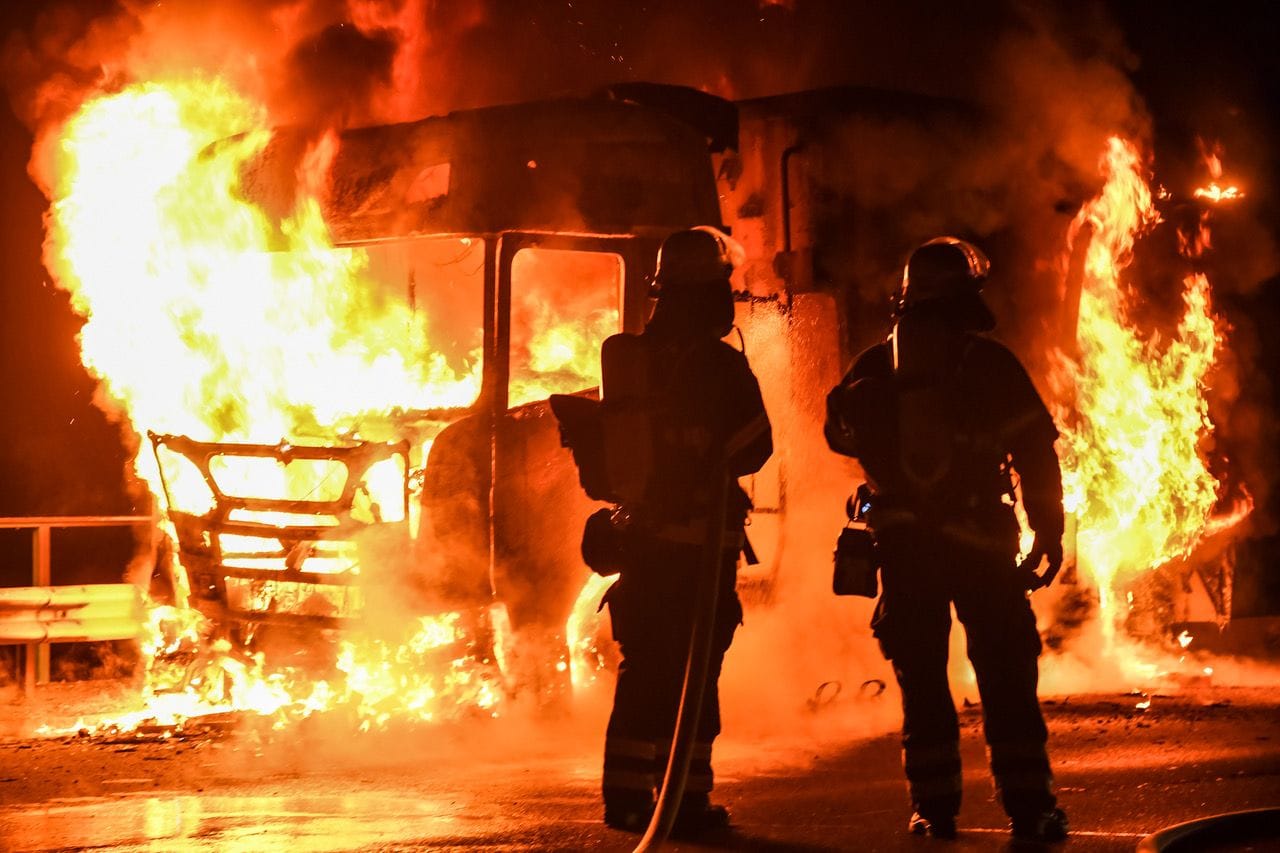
<point x="208" y="318"/>
<point x="1136" y="414"/>
<point x="431" y="676"/>
<point x="203" y="318"/>
<point x="585" y="657"/>
<point x="564" y="305"/>
<point x="1213" y="192"/>
<point x="386" y="680"/>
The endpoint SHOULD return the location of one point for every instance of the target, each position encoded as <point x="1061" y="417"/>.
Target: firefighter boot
<point x="629" y="813"/>
<point x="698" y="817"/>
<point x="935" y="826"/>
<point x="1043" y="826"/>
<point x="627" y="819"/>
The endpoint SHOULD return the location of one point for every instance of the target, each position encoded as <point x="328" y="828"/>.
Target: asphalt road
<point x="529" y="782"/>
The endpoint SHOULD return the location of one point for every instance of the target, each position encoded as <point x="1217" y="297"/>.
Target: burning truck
<point x="339" y="346"/>
<point x="519" y="237"/>
<point x="346" y="340"/>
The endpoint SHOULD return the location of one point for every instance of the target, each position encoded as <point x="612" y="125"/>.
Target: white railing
<point x="41" y="614"/>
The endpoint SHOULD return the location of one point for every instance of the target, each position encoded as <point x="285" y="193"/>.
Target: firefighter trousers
<point x="651" y="609"/>
<point x="923" y="575"/>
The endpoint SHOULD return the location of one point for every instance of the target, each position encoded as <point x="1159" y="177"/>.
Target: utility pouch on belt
<point x="855" y="563"/>
<point x="855" y="556"/>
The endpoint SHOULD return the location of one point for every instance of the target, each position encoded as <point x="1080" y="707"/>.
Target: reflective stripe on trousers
<point x="701" y="778"/>
<point x="634" y="766"/>
<point x="650" y="610"/>
<point x="924" y="573"/>
<point x="629" y="765"/>
<point x="1022" y="774"/>
<point x="933" y="775"/>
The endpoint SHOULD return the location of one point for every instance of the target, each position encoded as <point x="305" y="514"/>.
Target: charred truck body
<point x="506" y="227"/>
<point x="523" y="236"/>
<point x="501" y="224"/>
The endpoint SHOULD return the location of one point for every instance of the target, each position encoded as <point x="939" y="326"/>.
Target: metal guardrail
<point x="41" y="614"/>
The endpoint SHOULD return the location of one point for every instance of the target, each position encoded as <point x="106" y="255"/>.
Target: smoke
<point x="1039" y="91"/>
<point x="804" y="667"/>
<point x="1008" y="171"/>
<point x="337" y="71"/>
<point x="315" y="64"/>
<point x="1050" y="90"/>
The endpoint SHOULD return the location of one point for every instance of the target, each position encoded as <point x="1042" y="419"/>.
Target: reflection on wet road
<point x="1122" y="772"/>
<point x="239" y="823"/>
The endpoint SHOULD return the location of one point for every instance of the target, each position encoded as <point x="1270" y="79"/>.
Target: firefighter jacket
<point x="699" y="418"/>
<point x="702" y="407"/>
<point x="937" y="418"/>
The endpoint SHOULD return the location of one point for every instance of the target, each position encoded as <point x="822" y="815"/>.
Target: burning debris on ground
<point x="324" y="265"/>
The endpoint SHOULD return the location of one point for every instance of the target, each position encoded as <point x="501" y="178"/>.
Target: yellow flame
<point x="389" y="680"/>
<point x="433" y="675"/>
<point x="564" y="305"/>
<point x="585" y="658"/>
<point x="202" y="317"/>
<point x="1215" y="193"/>
<point x="206" y="317"/>
<point x="1136" y="413"/>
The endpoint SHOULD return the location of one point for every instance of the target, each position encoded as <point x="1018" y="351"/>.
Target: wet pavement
<point x="530" y="783"/>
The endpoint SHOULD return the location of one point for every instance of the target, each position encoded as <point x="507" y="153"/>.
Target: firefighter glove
<point x="1042" y="550"/>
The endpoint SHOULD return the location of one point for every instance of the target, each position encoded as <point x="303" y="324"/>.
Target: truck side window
<point x="441" y="280"/>
<point x="563" y="305"/>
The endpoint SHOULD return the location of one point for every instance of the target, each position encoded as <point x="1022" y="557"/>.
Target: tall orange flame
<point x="206" y="317"/>
<point x="202" y="318"/>
<point x="1134" y="410"/>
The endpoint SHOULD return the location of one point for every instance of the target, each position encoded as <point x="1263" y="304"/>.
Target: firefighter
<point x="942" y="420"/>
<point x="701" y="404"/>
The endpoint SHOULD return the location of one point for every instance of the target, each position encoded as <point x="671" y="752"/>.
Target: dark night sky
<point x="1199" y="71"/>
<point x="57" y="453"/>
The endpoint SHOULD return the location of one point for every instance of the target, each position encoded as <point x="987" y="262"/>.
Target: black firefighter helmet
<point x="692" y="283"/>
<point x="946" y="274"/>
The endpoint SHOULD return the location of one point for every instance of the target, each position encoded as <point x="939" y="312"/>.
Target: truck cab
<point x="521" y="237"/>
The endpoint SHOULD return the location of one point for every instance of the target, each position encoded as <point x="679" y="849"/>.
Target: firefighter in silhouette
<point x="682" y="412"/>
<point x="943" y="420"/>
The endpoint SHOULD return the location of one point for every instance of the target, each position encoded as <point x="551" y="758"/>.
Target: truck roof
<point x="594" y="165"/>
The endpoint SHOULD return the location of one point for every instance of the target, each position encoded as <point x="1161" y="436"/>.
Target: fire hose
<point x="706" y="602"/>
